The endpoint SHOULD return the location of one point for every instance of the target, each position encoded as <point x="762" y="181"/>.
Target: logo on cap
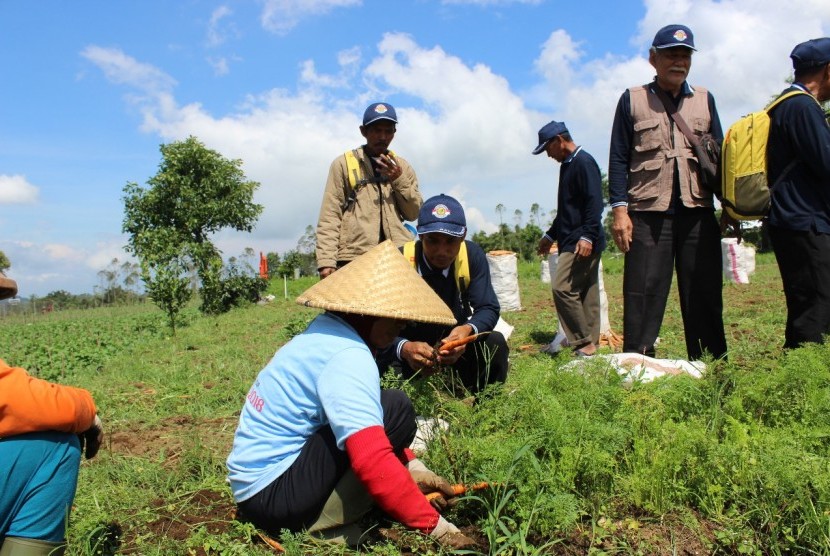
<point x="380" y="109"/>
<point x="441" y="211"/>
<point x="680" y="35"/>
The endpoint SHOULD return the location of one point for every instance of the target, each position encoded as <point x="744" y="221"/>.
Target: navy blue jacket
<point x="799" y="130"/>
<point x="579" y="204"/>
<point x="480" y="306"/>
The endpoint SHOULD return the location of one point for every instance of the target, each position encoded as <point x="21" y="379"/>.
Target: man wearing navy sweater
<point x="577" y="230"/>
<point x="442" y="228"/>
<point x="798" y="160"/>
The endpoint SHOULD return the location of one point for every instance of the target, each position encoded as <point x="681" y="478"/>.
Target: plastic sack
<point x="504" y="275"/>
<point x="738" y="260"/>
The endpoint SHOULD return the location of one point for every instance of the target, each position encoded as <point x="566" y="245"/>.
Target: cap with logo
<point x="548" y="132"/>
<point x="379" y="111"/>
<point x="811" y="54"/>
<point x="674" y="35"/>
<point x="442" y="214"/>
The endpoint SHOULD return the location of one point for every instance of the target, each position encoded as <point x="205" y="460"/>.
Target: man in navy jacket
<point x="577" y="230"/>
<point x="798" y="162"/>
<point x="442" y="228"/>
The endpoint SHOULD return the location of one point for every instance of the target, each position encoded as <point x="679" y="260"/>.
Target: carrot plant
<point x="737" y="462"/>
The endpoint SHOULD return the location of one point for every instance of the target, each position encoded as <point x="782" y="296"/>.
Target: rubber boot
<point x="345" y="506"/>
<point x="18" y="546"/>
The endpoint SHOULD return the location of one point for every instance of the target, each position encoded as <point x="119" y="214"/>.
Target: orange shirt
<point x="29" y="404"/>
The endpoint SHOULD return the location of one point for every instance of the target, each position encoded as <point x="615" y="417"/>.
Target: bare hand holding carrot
<point x="419" y="356"/>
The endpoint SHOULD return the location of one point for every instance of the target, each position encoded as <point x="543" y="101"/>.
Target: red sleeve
<point x="29" y="404"/>
<point x="388" y="481"/>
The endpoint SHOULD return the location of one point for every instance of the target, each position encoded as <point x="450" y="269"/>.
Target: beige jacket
<point x="657" y="144"/>
<point x="352" y="222"/>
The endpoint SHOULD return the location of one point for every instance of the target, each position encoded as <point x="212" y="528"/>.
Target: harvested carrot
<point x="452" y="344"/>
<point x="460" y="489"/>
<point x="271" y="542"/>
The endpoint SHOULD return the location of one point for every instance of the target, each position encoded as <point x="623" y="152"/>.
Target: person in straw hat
<point x="44" y="427"/>
<point x="318" y="443"/>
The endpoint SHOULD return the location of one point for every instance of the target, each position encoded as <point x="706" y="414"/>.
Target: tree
<point x="168" y="286"/>
<point x="4" y="262"/>
<point x="195" y="193"/>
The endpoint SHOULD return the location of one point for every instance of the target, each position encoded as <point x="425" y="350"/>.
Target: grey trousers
<point x="576" y="297"/>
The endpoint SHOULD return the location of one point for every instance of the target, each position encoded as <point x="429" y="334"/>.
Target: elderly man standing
<point x="663" y="215"/>
<point x="577" y="230"/>
<point x="369" y="193"/>
<point x="798" y="163"/>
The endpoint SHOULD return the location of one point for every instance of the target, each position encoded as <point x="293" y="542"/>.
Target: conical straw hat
<point x="380" y="283"/>
<point x="8" y="287"/>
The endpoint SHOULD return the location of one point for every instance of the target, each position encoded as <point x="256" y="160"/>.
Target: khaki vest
<point x="659" y="148"/>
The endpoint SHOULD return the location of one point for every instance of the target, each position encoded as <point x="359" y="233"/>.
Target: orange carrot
<point x="271" y="542"/>
<point x="452" y="344"/>
<point x="460" y="489"/>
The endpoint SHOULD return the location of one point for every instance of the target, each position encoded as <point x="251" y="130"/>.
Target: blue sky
<point x="91" y="89"/>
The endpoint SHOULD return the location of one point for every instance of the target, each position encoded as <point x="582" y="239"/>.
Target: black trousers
<point x="804" y="262"/>
<point x="294" y="500"/>
<point x="688" y="242"/>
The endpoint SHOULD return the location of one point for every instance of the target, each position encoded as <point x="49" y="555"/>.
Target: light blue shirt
<point x="324" y="376"/>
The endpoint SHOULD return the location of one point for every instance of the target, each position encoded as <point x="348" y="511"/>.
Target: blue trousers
<point x="38" y="477"/>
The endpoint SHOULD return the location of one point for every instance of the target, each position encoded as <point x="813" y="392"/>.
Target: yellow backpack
<point x="745" y="191"/>
<point x="461" y="267"/>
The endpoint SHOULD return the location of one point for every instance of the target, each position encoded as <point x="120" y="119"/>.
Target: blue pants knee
<point x="38" y="477"/>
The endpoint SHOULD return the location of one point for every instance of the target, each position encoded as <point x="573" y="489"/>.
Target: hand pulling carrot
<point x="460" y="489"/>
<point x="452" y="344"/>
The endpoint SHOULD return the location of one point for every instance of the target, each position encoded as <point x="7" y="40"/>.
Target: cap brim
<point x="373" y="120"/>
<point x="672" y="45"/>
<point x="541" y="147"/>
<point x="443" y="228"/>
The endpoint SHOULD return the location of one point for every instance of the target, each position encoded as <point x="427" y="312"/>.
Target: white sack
<point x="738" y="260"/>
<point x="505" y="277"/>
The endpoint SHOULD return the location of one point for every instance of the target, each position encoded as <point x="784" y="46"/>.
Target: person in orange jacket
<point x="43" y="429"/>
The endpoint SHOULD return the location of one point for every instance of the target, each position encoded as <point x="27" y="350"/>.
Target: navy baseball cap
<point x="547" y="133"/>
<point x="674" y="35"/>
<point x="379" y="111"/>
<point x="811" y="54"/>
<point x="442" y="214"/>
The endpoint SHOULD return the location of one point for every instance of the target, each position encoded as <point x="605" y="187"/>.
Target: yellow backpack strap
<point x="462" y="269"/>
<point x="784" y="97"/>
<point x="409" y="252"/>
<point x="353" y="168"/>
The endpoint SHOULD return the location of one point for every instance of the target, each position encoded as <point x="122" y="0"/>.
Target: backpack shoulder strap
<point x="409" y="253"/>
<point x="353" y="168"/>
<point x="785" y="96"/>
<point x="461" y="271"/>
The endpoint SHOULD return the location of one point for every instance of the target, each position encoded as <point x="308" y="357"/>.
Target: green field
<point x="735" y="463"/>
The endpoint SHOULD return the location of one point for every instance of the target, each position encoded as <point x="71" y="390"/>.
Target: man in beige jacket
<point x="369" y="194"/>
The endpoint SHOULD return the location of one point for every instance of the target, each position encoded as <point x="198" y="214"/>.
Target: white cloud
<point x="217" y="34"/>
<point x="219" y="65"/>
<point x="125" y="70"/>
<point x="41" y="268"/>
<point x="464" y="128"/>
<point x="17" y="190"/>
<point x="280" y="16"/>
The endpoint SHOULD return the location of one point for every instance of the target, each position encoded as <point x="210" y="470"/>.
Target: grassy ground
<point x="735" y="463"/>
